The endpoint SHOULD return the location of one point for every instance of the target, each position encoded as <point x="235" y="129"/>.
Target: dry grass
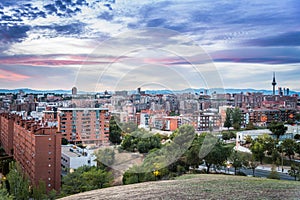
<point x="123" y="161"/>
<point x="200" y="187"/>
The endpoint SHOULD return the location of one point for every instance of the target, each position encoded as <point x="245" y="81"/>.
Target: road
<point x="258" y="173"/>
<point x="265" y="173"/>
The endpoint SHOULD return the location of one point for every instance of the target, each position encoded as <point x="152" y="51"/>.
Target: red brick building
<point x="6" y="132"/>
<point x="86" y="125"/>
<point x="36" y="147"/>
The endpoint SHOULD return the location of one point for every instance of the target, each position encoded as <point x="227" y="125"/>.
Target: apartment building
<point x="35" y="146"/>
<point x="6" y="132"/>
<point x="87" y="125"/>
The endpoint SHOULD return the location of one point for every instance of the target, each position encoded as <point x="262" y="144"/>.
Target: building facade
<point x="35" y="146"/>
<point x="87" y="125"/>
<point x="6" y="132"/>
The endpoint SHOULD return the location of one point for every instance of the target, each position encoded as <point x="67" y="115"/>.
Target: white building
<point x="241" y="136"/>
<point x="144" y="120"/>
<point x="73" y="157"/>
<point x="295" y="129"/>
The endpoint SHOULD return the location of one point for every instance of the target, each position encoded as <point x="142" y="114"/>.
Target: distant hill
<point x="217" y="90"/>
<point x="188" y="90"/>
<point x="203" y="186"/>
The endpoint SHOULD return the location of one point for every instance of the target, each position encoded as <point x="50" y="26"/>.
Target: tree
<point x="192" y="154"/>
<point x="236" y="118"/>
<point x="96" y="178"/>
<point x="276" y="157"/>
<point x="261" y="145"/>
<point x="297" y="117"/>
<point x="250" y="126"/>
<point x="114" y="131"/>
<point x="228" y="122"/>
<point x="237" y="160"/>
<point x="252" y="164"/>
<point x="64" y="141"/>
<point x="297" y="149"/>
<point x="289" y="147"/>
<point x="39" y="191"/>
<point x="216" y="156"/>
<point x="52" y="194"/>
<point x="258" y="150"/>
<point x="85" y="178"/>
<point x="225" y="135"/>
<point x="295" y="170"/>
<point x="277" y="128"/>
<point x="4" y="195"/>
<point x="129" y="127"/>
<point x="141" y="140"/>
<point x="105" y="157"/>
<point x="269" y="143"/>
<point x="18" y="182"/>
<point x="248" y="139"/>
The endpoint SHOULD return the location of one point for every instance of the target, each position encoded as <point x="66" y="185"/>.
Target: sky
<point x="119" y="44"/>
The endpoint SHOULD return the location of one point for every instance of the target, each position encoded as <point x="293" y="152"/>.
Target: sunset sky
<point x="117" y="44"/>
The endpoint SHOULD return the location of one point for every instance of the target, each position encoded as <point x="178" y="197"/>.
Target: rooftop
<point x="79" y="109"/>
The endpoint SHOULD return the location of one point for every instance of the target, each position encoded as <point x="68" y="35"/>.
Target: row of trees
<point x="186" y="150"/>
<point x="265" y="145"/>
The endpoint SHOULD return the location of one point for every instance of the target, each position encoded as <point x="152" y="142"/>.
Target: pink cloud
<point x="55" y="60"/>
<point x="11" y="76"/>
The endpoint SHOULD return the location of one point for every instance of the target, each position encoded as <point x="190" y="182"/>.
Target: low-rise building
<point x="241" y="135"/>
<point x="73" y="157"/>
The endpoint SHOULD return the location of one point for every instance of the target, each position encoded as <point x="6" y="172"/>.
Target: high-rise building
<point x="280" y="93"/>
<point x="86" y="125"/>
<point x="274" y="83"/>
<point x="74" y="90"/>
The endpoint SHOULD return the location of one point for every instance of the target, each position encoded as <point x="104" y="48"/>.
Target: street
<point x="259" y="172"/>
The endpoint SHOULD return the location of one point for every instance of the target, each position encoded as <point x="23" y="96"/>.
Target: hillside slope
<point x="199" y="187"/>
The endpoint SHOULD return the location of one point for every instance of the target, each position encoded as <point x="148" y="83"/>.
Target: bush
<point x="297" y="137"/>
<point x="274" y="174"/>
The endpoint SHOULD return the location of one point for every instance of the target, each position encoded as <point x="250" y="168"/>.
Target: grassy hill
<point x="203" y="186"/>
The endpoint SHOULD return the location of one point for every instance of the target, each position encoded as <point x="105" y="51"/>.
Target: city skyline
<point x="115" y="45"/>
